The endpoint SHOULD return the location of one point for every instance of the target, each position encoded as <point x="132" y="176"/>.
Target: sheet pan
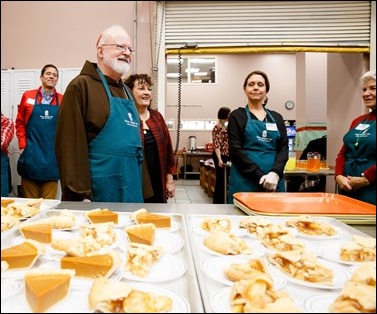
<point x="185" y="286"/>
<point x="215" y="294"/>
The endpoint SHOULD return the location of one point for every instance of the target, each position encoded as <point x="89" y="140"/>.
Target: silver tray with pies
<point x="173" y="275"/>
<point x="216" y="287"/>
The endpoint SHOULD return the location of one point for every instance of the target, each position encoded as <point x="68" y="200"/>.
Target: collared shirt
<point x="7" y="132"/>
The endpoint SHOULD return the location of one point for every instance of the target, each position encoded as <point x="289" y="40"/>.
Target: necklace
<point x="362" y="132"/>
<point x="144" y="121"/>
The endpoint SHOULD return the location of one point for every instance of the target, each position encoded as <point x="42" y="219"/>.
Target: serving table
<point x="200" y="290"/>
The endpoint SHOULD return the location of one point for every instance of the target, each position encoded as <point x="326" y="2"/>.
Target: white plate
<point x="331" y="251"/>
<point x="9" y="288"/>
<point x="255" y="247"/>
<point x="341" y="275"/>
<point x="236" y="231"/>
<point x="80" y="282"/>
<point x="74" y="302"/>
<point x="220" y="302"/>
<point x="339" y="234"/>
<point x="214" y="268"/>
<point x="170" y="242"/>
<point x="167" y="268"/>
<point x="180" y="304"/>
<point x="319" y="303"/>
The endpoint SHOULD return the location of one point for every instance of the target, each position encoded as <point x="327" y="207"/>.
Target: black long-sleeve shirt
<point x="246" y="166"/>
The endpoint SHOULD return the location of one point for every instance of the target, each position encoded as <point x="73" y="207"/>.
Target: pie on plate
<point x="143" y="233"/>
<point x="142" y="216"/>
<point x="119" y="297"/>
<point x="45" y="288"/>
<point x="23" y="255"/>
<point x="41" y="232"/>
<point x="94" y="266"/>
<point x="102" y="215"/>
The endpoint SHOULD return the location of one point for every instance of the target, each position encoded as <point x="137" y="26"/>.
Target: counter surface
<point x="184" y="209"/>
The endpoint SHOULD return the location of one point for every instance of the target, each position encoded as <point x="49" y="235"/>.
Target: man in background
<point x="35" y="128"/>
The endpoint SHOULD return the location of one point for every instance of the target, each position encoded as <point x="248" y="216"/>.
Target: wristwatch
<point x="363" y="175"/>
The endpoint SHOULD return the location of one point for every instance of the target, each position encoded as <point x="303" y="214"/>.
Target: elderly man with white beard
<point x="98" y="145"/>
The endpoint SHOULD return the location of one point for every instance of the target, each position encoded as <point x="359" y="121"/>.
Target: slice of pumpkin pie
<point x="143" y="233"/>
<point x="99" y="215"/>
<point x="44" y="288"/>
<point x="142" y="216"/>
<point x="23" y="255"/>
<point x="94" y="266"/>
<point x="41" y="232"/>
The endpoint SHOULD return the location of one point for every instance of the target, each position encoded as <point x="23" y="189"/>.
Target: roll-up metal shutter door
<point x="267" y="23"/>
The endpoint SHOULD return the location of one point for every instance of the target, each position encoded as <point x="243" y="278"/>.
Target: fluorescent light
<point x="172" y="75"/>
<point x="202" y="60"/>
<point x="200" y="74"/>
<point x="192" y="70"/>
<point x="173" y="61"/>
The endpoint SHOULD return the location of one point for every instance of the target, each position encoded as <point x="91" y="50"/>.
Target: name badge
<point x="30" y="101"/>
<point x="271" y="127"/>
<point x="362" y="126"/>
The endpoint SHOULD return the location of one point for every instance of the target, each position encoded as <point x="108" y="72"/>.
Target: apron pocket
<point x="108" y="188"/>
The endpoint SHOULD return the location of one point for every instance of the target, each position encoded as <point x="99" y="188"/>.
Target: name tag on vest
<point x="271" y="127"/>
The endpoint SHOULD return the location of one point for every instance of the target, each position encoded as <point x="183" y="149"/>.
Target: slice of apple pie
<point x="302" y="265"/>
<point x="256" y="295"/>
<point x="141" y="257"/>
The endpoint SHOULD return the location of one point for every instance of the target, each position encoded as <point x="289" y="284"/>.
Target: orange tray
<point x="325" y="204"/>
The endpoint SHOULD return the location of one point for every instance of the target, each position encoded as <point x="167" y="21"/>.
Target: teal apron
<point x="359" y="157"/>
<point x="38" y="161"/>
<point x="260" y="147"/>
<point x="4" y="174"/>
<point x="115" y="155"/>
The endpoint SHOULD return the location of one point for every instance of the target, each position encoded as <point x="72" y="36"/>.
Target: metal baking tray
<point x="338" y="206"/>
<point x="45" y="205"/>
<point x="184" y="286"/>
<point x="215" y="291"/>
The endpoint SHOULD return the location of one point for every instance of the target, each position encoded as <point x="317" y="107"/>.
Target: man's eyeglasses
<point x="122" y="48"/>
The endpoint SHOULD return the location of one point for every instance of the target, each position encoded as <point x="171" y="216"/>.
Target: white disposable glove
<point x="270" y="181"/>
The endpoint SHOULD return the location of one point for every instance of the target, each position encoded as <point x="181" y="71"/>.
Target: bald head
<point x="114" y="52"/>
<point x="108" y="34"/>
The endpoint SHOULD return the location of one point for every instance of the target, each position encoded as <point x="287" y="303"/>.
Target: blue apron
<point x="360" y="157"/>
<point x="4" y="174"/>
<point x="38" y="161"/>
<point x="260" y="147"/>
<point x="115" y="155"/>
